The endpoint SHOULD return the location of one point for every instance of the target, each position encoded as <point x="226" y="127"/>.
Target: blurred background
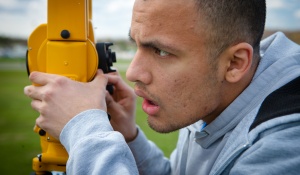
<point x="111" y="19"/>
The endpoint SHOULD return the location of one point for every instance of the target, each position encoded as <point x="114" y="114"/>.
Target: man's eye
<point x="161" y="52"/>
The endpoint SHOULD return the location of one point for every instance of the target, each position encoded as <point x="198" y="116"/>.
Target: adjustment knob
<point x="65" y="34"/>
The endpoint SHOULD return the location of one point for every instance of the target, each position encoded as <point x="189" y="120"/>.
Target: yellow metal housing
<point x="64" y="46"/>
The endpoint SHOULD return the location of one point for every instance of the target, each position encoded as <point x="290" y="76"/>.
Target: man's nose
<point x="139" y="69"/>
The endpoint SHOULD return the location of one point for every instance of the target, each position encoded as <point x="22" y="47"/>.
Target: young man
<point x="199" y="68"/>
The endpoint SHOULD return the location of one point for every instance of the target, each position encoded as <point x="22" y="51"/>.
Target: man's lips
<point x="149" y="107"/>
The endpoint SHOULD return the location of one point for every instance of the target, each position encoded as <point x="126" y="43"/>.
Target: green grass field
<point x="18" y="143"/>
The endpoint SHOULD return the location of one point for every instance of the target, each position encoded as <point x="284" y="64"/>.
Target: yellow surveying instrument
<point x="65" y="46"/>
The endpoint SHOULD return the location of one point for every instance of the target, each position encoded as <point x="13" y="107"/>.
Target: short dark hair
<point x="229" y="22"/>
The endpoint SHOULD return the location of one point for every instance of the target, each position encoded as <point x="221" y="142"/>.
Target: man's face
<point x="177" y="80"/>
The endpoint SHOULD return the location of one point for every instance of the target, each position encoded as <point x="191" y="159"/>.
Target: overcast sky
<point x="18" y="18"/>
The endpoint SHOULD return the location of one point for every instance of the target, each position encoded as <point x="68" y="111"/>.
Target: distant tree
<point x="292" y="35"/>
<point x="10" y="42"/>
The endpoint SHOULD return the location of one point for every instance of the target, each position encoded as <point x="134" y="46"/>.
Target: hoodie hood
<point x="279" y="64"/>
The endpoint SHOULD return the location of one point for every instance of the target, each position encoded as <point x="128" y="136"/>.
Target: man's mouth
<point x="151" y="102"/>
<point x="150" y="107"/>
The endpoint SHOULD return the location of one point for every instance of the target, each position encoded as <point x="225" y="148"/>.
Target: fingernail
<point x="26" y="90"/>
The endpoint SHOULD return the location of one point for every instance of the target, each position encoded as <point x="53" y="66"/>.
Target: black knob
<point x="65" y="34"/>
<point x="42" y="132"/>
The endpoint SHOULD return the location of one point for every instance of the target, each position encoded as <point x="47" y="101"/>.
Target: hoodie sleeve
<point x="149" y="158"/>
<point x="94" y="148"/>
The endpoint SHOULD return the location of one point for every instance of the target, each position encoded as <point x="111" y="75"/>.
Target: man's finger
<point x="32" y="92"/>
<point x="110" y="102"/>
<point x="36" y="105"/>
<point x="116" y="81"/>
<point x="40" y="78"/>
<point x="116" y="72"/>
<point x="112" y="106"/>
<point x="99" y="79"/>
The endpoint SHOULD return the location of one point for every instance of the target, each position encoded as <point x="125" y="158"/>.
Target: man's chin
<point x="162" y="128"/>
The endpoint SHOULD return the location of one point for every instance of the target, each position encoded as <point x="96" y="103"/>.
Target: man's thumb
<point x="99" y="79"/>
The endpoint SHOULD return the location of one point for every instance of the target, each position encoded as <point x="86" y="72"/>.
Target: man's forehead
<point x="165" y="5"/>
<point x="163" y="10"/>
<point x="164" y="20"/>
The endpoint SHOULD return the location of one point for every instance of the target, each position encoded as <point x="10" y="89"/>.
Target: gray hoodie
<point x="231" y="144"/>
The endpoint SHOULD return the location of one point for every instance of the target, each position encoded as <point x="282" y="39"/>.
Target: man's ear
<point x="240" y="62"/>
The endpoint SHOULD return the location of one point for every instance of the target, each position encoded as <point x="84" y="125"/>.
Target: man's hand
<point x="58" y="99"/>
<point x="121" y="106"/>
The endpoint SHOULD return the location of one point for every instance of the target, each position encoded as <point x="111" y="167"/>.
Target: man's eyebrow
<point x="156" y="44"/>
<point x="161" y="46"/>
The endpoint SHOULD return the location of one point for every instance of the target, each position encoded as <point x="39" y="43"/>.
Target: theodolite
<point x="65" y="45"/>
